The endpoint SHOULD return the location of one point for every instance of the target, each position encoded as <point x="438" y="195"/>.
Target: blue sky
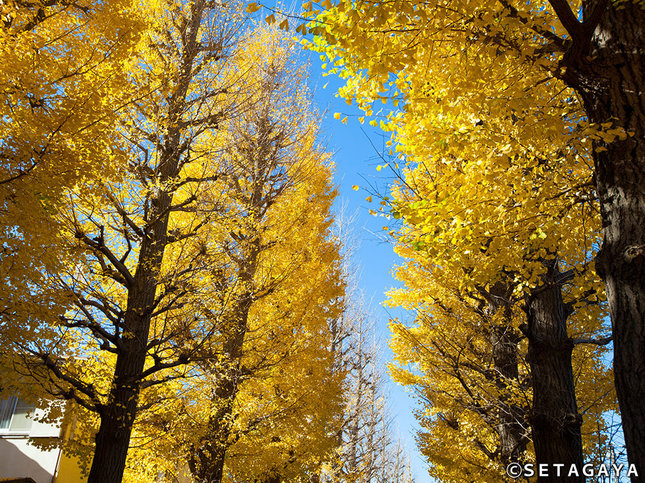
<point x="356" y="150"/>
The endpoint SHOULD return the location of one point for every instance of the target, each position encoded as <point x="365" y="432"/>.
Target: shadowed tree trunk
<point x="504" y="339"/>
<point x="555" y="421"/>
<point x="606" y="66"/>
<point x="207" y="461"/>
<point x="511" y="430"/>
<point x="118" y="414"/>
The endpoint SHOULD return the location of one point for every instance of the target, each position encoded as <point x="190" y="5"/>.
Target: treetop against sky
<point x="167" y="217"/>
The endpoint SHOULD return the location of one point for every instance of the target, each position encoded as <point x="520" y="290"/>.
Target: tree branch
<point x="87" y="390"/>
<point x="568" y="19"/>
<point x="100" y="247"/>
<point x="553" y="39"/>
<point x="603" y="341"/>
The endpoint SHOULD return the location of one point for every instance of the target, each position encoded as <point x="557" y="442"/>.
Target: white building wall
<point x="20" y="459"/>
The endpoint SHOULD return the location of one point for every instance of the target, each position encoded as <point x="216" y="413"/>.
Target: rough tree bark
<point x="555" y="421"/>
<point x="512" y="434"/>
<point x="118" y="414"/>
<point x="606" y="66"/>
<point x="504" y="339"/>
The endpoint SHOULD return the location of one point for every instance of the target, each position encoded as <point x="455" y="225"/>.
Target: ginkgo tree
<point x="275" y="333"/>
<point x="147" y="248"/>
<point x="485" y="76"/>
<point x="368" y="450"/>
<point x="366" y="447"/>
<point x="593" y="48"/>
<point x="114" y="231"/>
<point x="483" y="242"/>
<point x="61" y="61"/>
<point x="474" y="377"/>
<point x="264" y="401"/>
<point x="489" y="235"/>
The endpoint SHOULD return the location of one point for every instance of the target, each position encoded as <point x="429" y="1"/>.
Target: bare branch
<point x="603" y="341"/>
<point x="100" y="247"/>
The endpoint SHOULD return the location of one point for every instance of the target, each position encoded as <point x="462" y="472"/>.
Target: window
<point x="13" y="415"/>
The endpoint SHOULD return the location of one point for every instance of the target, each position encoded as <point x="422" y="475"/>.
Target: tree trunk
<point x="113" y="437"/>
<point x="207" y="460"/>
<point x="611" y="82"/>
<point x="118" y="414"/>
<point x="510" y="428"/>
<point x="512" y="435"/>
<point x="270" y="479"/>
<point x="555" y="421"/>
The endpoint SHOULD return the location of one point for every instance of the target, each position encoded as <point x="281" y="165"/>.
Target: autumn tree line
<point x="175" y="283"/>
<point x="170" y="266"/>
<point x="517" y="156"/>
